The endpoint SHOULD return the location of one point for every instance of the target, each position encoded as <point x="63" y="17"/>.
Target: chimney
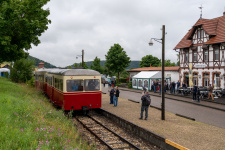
<point x="150" y="65"/>
<point x="41" y="65"/>
<point x="223" y="13"/>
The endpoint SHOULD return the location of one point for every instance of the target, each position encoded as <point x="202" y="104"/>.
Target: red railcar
<point x="74" y="89"/>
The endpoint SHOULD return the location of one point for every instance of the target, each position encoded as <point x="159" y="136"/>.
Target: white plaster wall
<point x="210" y="75"/>
<point x="174" y="75"/>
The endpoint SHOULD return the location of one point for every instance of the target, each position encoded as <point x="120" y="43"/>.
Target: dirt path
<point x="190" y="134"/>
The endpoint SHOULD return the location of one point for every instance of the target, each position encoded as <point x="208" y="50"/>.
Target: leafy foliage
<point x="149" y="59"/>
<point x="22" y="70"/>
<point x="117" y="59"/>
<point x="96" y="65"/>
<point x="168" y="63"/>
<point x="21" y="23"/>
<point x="85" y="65"/>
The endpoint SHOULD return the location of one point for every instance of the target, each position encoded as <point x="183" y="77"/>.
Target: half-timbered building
<point x="203" y="48"/>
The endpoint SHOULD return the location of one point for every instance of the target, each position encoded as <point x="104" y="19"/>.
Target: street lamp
<point x="162" y="41"/>
<point x="82" y="58"/>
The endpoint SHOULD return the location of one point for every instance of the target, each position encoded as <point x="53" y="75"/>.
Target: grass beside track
<point x="29" y="121"/>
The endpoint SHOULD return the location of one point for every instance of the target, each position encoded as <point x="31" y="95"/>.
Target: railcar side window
<point x="92" y="85"/>
<point x="74" y="85"/>
<point x="59" y="84"/>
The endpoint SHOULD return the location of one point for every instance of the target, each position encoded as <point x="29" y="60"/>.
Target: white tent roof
<point x="4" y="70"/>
<point x="149" y="74"/>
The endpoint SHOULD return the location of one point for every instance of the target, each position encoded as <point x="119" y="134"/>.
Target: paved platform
<point x="185" y="132"/>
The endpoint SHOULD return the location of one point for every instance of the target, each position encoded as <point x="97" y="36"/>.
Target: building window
<point x="206" y="79"/>
<point x="216" y="54"/>
<point x="194" y="55"/>
<point x="202" y="34"/>
<point x="186" y="56"/>
<point x="206" y="55"/>
<point x="217" y="80"/>
<point x="195" y="79"/>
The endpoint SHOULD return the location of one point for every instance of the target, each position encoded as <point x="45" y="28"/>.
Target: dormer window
<point x="200" y="33"/>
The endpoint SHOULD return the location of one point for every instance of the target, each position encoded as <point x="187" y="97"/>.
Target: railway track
<point x="110" y="135"/>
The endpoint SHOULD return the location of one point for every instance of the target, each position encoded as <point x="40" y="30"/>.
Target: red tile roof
<point x="213" y="27"/>
<point x="175" y="68"/>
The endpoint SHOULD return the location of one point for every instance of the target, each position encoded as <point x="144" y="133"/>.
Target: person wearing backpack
<point x="146" y="100"/>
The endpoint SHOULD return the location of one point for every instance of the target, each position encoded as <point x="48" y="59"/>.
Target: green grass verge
<point x="29" y="121"/>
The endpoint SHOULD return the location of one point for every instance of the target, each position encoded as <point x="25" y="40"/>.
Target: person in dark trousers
<point x="116" y="95"/>
<point x="194" y="92"/>
<point x="111" y="93"/>
<point x="146" y="100"/>
<point x="173" y="87"/>
<point x="198" y="95"/>
<point x="165" y="85"/>
<point x="178" y="85"/>
<point x="104" y="82"/>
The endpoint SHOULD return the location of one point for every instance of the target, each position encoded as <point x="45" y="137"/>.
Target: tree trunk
<point x="118" y="77"/>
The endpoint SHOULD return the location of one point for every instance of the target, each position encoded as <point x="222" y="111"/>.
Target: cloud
<point x="96" y="25"/>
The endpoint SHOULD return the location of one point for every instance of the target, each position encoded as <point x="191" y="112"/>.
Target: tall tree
<point x="96" y="65"/>
<point x="117" y="59"/>
<point x="149" y="59"/>
<point x="21" y="23"/>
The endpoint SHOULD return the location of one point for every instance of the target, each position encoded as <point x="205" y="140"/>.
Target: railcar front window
<point x="74" y="85"/>
<point x="92" y="85"/>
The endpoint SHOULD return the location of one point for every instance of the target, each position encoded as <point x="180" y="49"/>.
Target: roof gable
<point x="215" y="28"/>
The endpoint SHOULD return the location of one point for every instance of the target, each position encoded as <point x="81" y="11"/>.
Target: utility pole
<point x="83" y="58"/>
<point x="162" y="83"/>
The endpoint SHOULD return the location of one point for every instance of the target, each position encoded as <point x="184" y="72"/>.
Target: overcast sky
<point x="96" y="25"/>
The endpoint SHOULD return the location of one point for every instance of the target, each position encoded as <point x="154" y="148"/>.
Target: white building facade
<point x="201" y="53"/>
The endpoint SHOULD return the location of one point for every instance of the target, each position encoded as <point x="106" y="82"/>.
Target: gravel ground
<point x="190" y="134"/>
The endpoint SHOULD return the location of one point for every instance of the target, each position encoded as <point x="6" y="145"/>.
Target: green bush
<point x="123" y="80"/>
<point x="22" y="70"/>
<point x="130" y="85"/>
<point x="31" y="82"/>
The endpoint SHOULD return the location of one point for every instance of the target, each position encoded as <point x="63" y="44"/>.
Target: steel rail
<point x="100" y="139"/>
<point x="121" y="138"/>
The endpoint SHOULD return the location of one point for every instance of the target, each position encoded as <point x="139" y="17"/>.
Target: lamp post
<point x="82" y="57"/>
<point x="162" y="41"/>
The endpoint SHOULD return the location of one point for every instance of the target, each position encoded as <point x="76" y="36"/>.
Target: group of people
<point x="196" y="93"/>
<point x="114" y="94"/>
<point x="172" y="86"/>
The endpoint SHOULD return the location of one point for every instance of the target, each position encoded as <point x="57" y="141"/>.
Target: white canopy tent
<point x="3" y="71"/>
<point x="145" y="78"/>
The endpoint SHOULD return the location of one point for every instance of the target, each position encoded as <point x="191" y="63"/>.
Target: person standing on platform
<point x="178" y="84"/>
<point x="198" y="94"/>
<point x="104" y="82"/>
<point x="165" y="85"/>
<point x="146" y="101"/>
<point x="111" y="94"/>
<point x="116" y="95"/>
<point x="210" y="89"/>
<point x="159" y="87"/>
<point x="173" y="87"/>
<point x="194" y="92"/>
